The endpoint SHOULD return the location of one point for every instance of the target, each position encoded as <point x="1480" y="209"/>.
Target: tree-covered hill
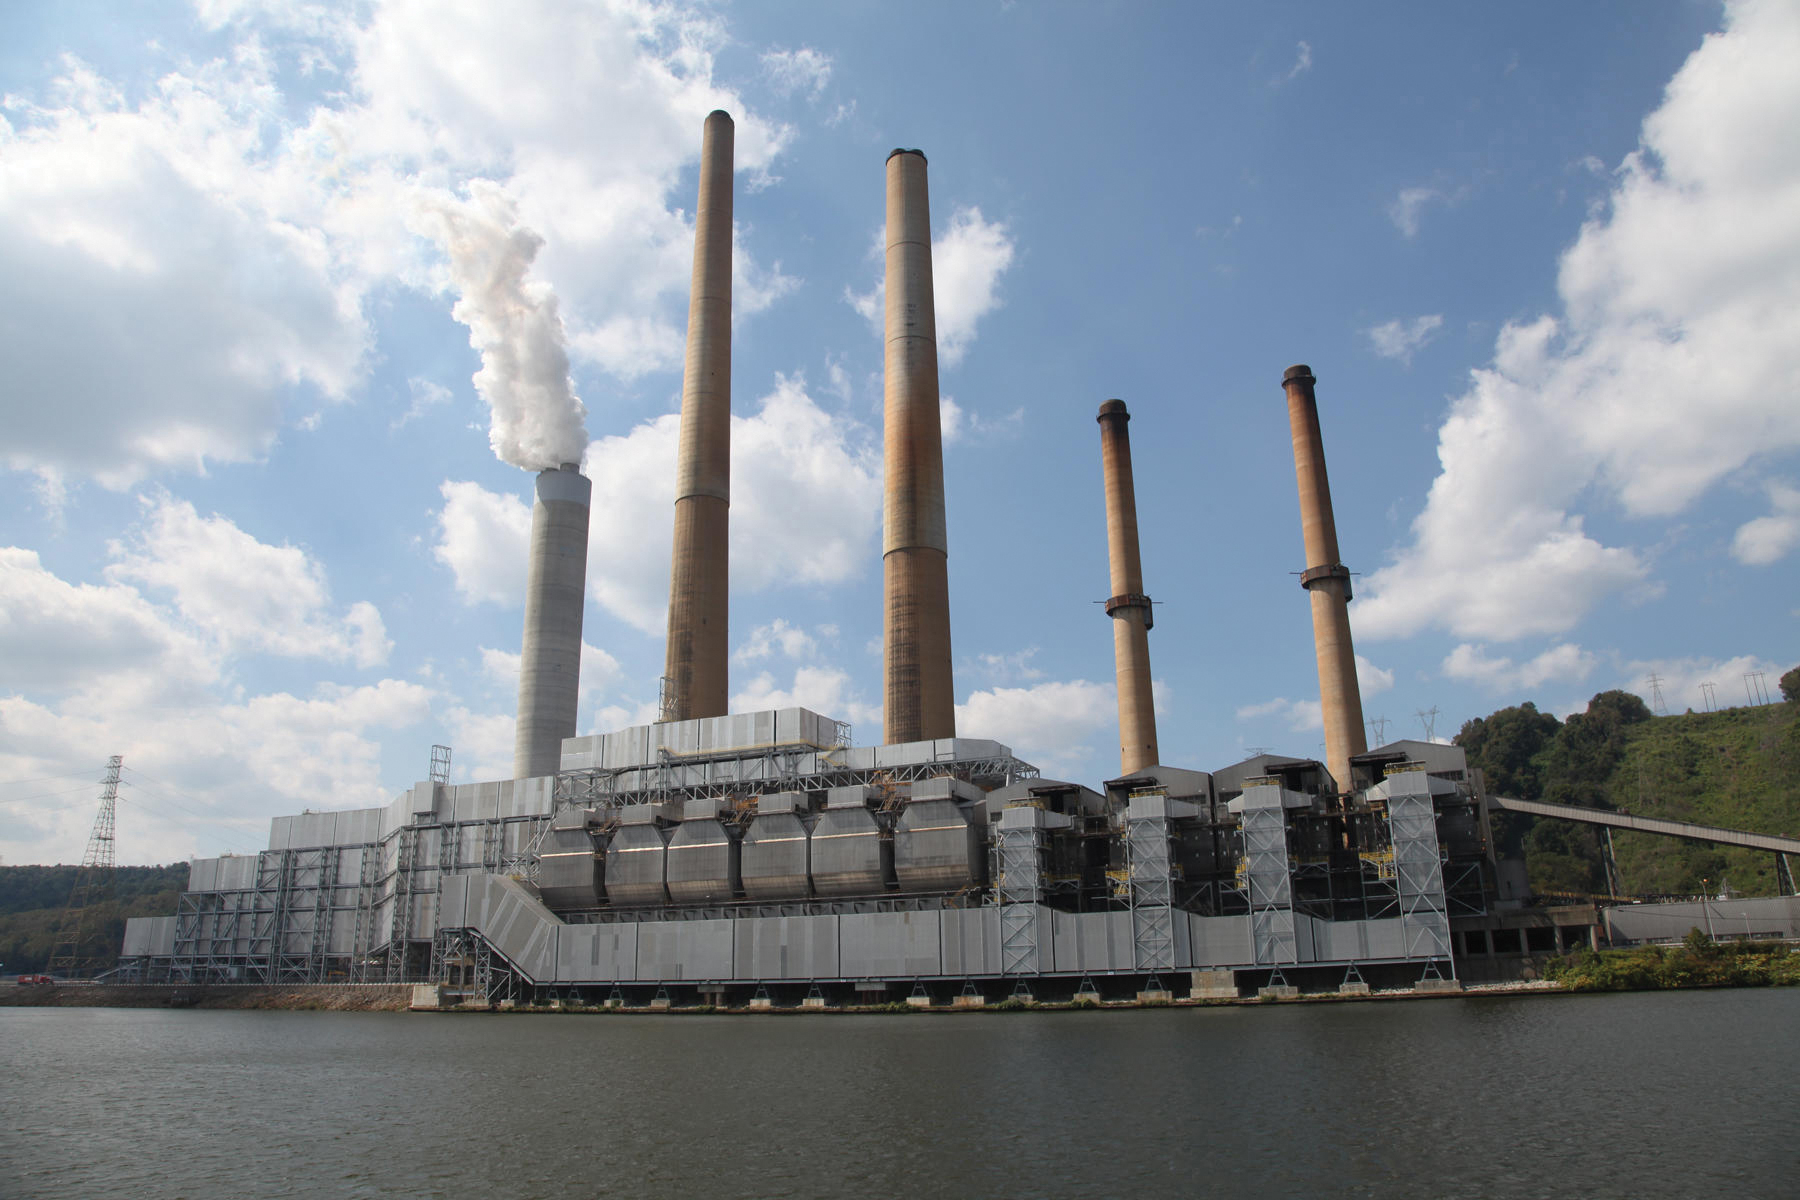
<point x="1738" y="768"/>
<point x="32" y="900"/>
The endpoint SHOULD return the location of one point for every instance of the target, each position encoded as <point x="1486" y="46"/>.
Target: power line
<point x="88" y="774"/>
<point x="46" y="795"/>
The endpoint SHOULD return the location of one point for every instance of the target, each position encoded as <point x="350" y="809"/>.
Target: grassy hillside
<point x="1739" y="769"/>
<point x="32" y="901"/>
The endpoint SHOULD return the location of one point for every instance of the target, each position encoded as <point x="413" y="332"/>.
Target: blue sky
<point x="1544" y="260"/>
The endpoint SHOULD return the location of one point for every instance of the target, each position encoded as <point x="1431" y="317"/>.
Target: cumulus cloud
<point x="110" y="670"/>
<point x="1562" y="663"/>
<point x="777" y="635"/>
<point x="1055" y="724"/>
<point x="1299" y="715"/>
<point x="246" y="594"/>
<point x="482" y="538"/>
<point x="1670" y="368"/>
<point x="1681" y="678"/>
<point x="957" y="424"/>
<point x="221" y="237"/>
<point x="1401" y="339"/>
<point x="1769" y="539"/>
<point x="967" y="261"/>
<point x="825" y="689"/>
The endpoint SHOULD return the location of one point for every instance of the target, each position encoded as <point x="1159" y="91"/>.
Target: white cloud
<point x="1054" y="724"/>
<point x="246" y="594"/>
<point x="1401" y="339"/>
<point x="483" y="538"/>
<point x="220" y="238"/>
<point x="958" y="425"/>
<point x="1300" y="715"/>
<point x="1680" y="680"/>
<point x="1303" y="61"/>
<point x="426" y="396"/>
<point x="803" y="70"/>
<point x="765" y="640"/>
<point x="1372" y="680"/>
<point x="1562" y="663"/>
<point x="1409" y="206"/>
<point x="967" y="261"/>
<point x="1670" y="369"/>
<point x="822" y="688"/>
<point x="1769" y="539"/>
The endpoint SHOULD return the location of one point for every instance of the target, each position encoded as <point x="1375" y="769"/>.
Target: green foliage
<point x="1695" y="963"/>
<point x="1790" y="686"/>
<point x="1738" y="769"/>
<point x="32" y="900"/>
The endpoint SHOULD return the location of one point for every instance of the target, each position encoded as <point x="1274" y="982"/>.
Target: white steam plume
<point x="538" y="421"/>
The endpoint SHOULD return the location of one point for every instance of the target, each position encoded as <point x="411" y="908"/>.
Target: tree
<point x="1577" y="766"/>
<point x="1790" y="686"/>
<point x="1503" y="748"/>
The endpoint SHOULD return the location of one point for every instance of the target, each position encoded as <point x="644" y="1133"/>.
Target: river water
<point x="1670" y="1094"/>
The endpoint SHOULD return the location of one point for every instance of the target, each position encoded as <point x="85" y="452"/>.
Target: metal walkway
<point x="1619" y="820"/>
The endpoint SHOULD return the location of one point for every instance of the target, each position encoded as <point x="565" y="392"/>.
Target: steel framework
<point x="74" y="953"/>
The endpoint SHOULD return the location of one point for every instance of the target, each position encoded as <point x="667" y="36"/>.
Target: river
<point x="1665" y="1094"/>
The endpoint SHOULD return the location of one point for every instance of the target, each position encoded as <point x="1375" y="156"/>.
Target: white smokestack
<point x="538" y="424"/>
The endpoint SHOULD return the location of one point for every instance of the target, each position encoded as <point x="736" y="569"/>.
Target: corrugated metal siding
<point x="887" y="945"/>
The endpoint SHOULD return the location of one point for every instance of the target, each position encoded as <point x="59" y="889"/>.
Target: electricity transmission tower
<point x="440" y="764"/>
<point x="75" y="953"/>
<point x="1379" y="725"/>
<point x="1712" y="703"/>
<point x="1656" y="696"/>
<point x="1428" y="720"/>
<point x="1754" y="690"/>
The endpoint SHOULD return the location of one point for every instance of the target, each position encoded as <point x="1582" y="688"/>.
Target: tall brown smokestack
<point x="1327" y="580"/>
<point x="550" y="656"/>
<point x="919" y="699"/>
<point x="695" y="681"/>
<point x="1128" y="607"/>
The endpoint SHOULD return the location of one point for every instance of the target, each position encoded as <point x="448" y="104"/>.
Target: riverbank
<point x="320" y="997"/>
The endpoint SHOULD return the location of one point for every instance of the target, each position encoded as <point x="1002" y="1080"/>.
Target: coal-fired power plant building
<point x="761" y="859"/>
<point x="695" y="681"/>
<point x="555" y="594"/>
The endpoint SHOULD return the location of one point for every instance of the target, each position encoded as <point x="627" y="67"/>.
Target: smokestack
<point x="550" y="659"/>
<point x="919" y="699"/>
<point x="694" y="675"/>
<point x="1128" y="607"/>
<point x="1327" y="580"/>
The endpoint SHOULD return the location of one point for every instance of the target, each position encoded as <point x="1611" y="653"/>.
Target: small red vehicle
<point x="36" y="980"/>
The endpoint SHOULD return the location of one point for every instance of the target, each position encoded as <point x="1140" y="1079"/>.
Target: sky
<point x="286" y="282"/>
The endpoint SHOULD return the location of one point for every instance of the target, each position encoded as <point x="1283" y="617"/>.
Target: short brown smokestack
<point x="919" y="699"/>
<point x="1327" y="580"/>
<point x="695" y="680"/>
<point x="1128" y="607"/>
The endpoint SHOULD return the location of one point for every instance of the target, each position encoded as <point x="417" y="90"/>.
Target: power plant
<point x="760" y="859"/>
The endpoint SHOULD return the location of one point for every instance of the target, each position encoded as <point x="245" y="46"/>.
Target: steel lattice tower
<point x="74" y="953"/>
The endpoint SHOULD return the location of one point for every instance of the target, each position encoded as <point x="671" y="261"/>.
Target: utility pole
<point x="1712" y="703"/>
<point x="94" y="883"/>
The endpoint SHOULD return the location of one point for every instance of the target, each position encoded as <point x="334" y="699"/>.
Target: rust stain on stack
<point x="918" y="690"/>
<point x="1128" y="606"/>
<point x="1327" y="581"/>
<point x="695" y="674"/>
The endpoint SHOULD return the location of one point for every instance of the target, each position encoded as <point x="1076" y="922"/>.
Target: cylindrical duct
<point x="1128" y="606"/>
<point x="550" y="659"/>
<point x="1327" y="581"/>
<point x="695" y="679"/>
<point x="919" y="699"/>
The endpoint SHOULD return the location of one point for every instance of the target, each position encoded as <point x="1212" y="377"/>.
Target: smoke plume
<point x="538" y="421"/>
